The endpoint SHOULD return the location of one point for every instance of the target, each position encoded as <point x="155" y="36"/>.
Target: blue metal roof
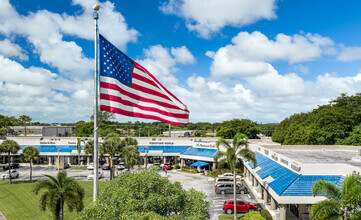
<point x="287" y="182"/>
<point x="200" y="152"/>
<point x="51" y="148"/>
<point x="165" y="149"/>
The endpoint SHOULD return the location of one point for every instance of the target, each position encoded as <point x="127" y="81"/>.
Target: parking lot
<point x="196" y="181"/>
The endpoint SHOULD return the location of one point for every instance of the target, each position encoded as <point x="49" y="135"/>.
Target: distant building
<point x="181" y="133"/>
<point x="43" y="131"/>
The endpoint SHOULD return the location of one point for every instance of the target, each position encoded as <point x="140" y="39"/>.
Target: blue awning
<point x="199" y="164"/>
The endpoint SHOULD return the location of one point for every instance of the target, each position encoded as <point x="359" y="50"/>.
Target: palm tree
<point x="78" y="147"/>
<point x="112" y="145"/>
<point x="60" y="190"/>
<point x="10" y="147"/>
<point x="31" y="153"/>
<point x="130" y="152"/>
<point x="342" y="202"/>
<point x="232" y="156"/>
<point x="23" y="120"/>
<point x="130" y="156"/>
<point x="89" y="147"/>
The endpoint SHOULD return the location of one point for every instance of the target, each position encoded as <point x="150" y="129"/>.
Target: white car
<point x="90" y="166"/>
<point x="229" y="175"/>
<point x="14" y="174"/>
<point x="91" y="176"/>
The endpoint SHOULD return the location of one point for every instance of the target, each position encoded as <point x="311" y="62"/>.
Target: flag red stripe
<point x="136" y="97"/>
<point x="127" y="103"/>
<point x="136" y="65"/>
<point x="144" y="79"/>
<point x="149" y="91"/>
<point x="138" y="115"/>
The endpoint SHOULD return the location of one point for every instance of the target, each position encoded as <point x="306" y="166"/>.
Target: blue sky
<point x="258" y="59"/>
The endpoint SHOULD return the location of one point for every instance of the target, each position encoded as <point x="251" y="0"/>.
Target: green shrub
<point x="265" y="214"/>
<point x="253" y="216"/>
<point x="176" y="166"/>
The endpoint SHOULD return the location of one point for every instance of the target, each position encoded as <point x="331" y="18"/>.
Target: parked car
<point x="228" y="206"/>
<point x="106" y="166"/>
<point x="12" y="166"/>
<point x="90" y="166"/>
<point x="120" y="167"/>
<point x="14" y="174"/>
<point x="224" y="188"/>
<point x="229" y="175"/>
<point x="167" y="166"/>
<point x="228" y="180"/>
<point x="91" y="176"/>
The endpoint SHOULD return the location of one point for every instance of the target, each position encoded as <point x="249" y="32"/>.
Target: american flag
<point x="127" y="88"/>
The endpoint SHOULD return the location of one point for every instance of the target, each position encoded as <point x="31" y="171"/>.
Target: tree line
<point x="338" y="122"/>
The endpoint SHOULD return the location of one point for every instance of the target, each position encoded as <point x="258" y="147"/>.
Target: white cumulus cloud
<point x="209" y="16"/>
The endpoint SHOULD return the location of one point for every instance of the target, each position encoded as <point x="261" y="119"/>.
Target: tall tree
<point x="130" y="156"/>
<point x="103" y="116"/>
<point x="341" y="203"/>
<point x="78" y="147"/>
<point x="31" y="153"/>
<point x="233" y="155"/>
<point x="60" y="190"/>
<point x="129" y="151"/>
<point x="89" y="147"/>
<point x="24" y="120"/>
<point x="228" y="129"/>
<point x="112" y="146"/>
<point x="9" y="147"/>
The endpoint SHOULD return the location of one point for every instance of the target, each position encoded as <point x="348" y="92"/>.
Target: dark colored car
<point x="167" y="166"/>
<point x="12" y="166"/>
<point x="106" y="166"/>
<point x="224" y="188"/>
<point x="228" y="206"/>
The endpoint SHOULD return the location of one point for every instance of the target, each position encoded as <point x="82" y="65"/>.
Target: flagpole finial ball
<point x="96" y="7"/>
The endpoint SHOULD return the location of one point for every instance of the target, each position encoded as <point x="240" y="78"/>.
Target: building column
<point x="182" y="162"/>
<point x="283" y="210"/>
<point x="107" y="159"/>
<point x="164" y="159"/>
<point x="87" y="160"/>
<point x="50" y="161"/>
<point x="214" y="166"/>
<point x="68" y="159"/>
<point x="273" y="204"/>
<point x="301" y="210"/>
<point x="253" y="181"/>
<point x="265" y="195"/>
<point x="4" y="161"/>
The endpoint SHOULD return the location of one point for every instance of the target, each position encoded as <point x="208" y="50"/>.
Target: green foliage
<point x="228" y="129"/>
<point x="267" y="129"/>
<point x="189" y="169"/>
<point x="31" y="153"/>
<point x="344" y="202"/>
<point x="265" y="214"/>
<point x="89" y="147"/>
<point x="59" y="191"/>
<point x="253" y="216"/>
<point x="354" y="138"/>
<point x="9" y="147"/>
<point x="146" y="195"/>
<point x="176" y="166"/>
<point x="328" y="124"/>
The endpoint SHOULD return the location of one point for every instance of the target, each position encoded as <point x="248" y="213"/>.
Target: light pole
<point x="146" y="156"/>
<point x="59" y="159"/>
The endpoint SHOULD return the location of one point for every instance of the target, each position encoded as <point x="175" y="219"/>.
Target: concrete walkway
<point x="2" y="217"/>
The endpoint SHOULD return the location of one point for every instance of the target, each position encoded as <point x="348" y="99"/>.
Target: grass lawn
<point x="230" y="217"/>
<point x="17" y="201"/>
<point x="78" y="168"/>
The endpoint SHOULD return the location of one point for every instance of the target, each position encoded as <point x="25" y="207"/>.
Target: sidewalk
<point x="2" y="217"/>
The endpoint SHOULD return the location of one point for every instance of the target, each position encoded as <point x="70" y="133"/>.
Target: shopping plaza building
<point x="282" y="178"/>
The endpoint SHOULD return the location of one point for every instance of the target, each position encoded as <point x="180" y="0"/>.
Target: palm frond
<point x="356" y="215"/>
<point x="326" y="209"/>
<point x="327" y="189"/>
<point x="351" y="188"/>
<point x="44" y="184"/>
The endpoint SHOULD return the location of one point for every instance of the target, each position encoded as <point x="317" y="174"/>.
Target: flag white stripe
<point x="140" y="72"/>
<point x="135" y="101"/>
<point x="134" y="91"/>
<point x="137" y="110"/>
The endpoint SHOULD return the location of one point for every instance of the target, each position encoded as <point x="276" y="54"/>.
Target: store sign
<point x="161" y="143"/>
<point x="47" y="142"/>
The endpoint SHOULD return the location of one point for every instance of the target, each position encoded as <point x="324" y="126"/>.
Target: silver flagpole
<point x="95" y="159"/>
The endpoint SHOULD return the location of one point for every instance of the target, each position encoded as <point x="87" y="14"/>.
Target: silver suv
<point x="224" y="188"/>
